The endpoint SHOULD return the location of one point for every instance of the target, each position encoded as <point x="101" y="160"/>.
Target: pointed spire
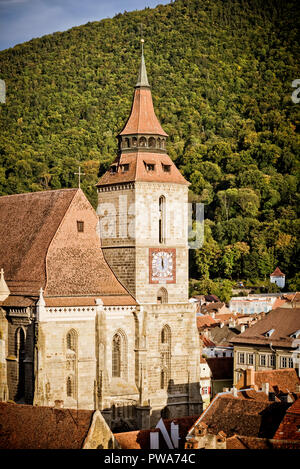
<point x="4" y="290"/>
<point x="142" y="78"/>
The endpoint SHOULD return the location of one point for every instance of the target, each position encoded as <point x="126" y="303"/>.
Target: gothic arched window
<point x="162" y="296"/>
<point x="72" y="340"/>
<point x="119" y="355"/>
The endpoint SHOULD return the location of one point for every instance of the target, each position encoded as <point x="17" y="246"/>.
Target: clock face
<point x="162" y="265"/>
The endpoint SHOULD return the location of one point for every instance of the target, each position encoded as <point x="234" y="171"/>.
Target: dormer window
<point x="269" y="333"/>
<point x="296" y="334"/>
<point x="80" y="226"/>
<point x="149" y="166"/>
<point x="166" y="168"/>
<point x="124" y="167"/>
<point x="113" y="168"/>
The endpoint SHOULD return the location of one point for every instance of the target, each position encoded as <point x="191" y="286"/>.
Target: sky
<point x="22" y="20"/>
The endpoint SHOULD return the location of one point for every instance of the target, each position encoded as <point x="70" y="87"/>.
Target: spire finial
<point x="142" y="78"/>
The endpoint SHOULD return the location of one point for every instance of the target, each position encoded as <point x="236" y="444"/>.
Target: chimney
<point x="250" y="377"/>
<point x="221" y="324"/>
<point x="58" y="404"/>
<point x="234" y="391"/>
<point x="242" y="328"/>
<point x="175" y="434"/>
<point x="266" y="388"/>
<point x="213" y="315"/>
<point x="154" y="440"/>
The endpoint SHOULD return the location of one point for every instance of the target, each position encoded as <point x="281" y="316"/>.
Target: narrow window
<point x="80" y="226"/>
<point x="262" y="360"/>
<point x="116" y="356"/>
<point x="272" y="360"/>
<point x="241" y="358"/>
<point x="161" y="219"/>
<point x="250" y="358"/>
<point x="70" y="387"/>
<point x="162" y="379"/>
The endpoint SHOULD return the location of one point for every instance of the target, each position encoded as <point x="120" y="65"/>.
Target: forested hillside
<point x="221" y="74"/>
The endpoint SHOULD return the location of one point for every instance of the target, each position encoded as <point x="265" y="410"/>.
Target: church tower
<point x="143" y="208"/>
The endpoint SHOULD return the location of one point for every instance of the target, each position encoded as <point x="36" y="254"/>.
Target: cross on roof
<point x="79" y="175"/>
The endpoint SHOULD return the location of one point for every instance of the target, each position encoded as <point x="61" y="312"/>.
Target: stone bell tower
<point x="143" y="208"/>
<point x="143" y="224"/>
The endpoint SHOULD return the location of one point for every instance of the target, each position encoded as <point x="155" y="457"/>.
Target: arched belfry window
<point x="119" y="355"/>
<point x="162" y="219"/>
<point x="142" y="142"/>
<point x="152" y="142"/>
<point x="162" y="296"/>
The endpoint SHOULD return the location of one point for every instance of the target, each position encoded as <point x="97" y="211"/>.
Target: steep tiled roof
<point x="205" y="321"/>
<point x="248" y="417"/>
<point x="139" y="439"/>
<point x="142" y="119"/>
<point x="289" y="429"/>
<point x="222" y="335"/>
<point x="250" y="442"/>
<point x="277" y="273"/>
<point x="28" y="223"/>
<point x="40" y="246"/>
<point x="137" y="170"/>
<point x="284" y="321"/>
<point x="213" y="307"/>
<point x="280" y="381"/>
<point x="33" y="427"/>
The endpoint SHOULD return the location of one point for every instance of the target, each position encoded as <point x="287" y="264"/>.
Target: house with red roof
<point x="278" y="277"/>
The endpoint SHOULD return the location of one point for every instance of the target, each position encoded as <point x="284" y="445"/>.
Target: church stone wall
<point x="57" y="363"/>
